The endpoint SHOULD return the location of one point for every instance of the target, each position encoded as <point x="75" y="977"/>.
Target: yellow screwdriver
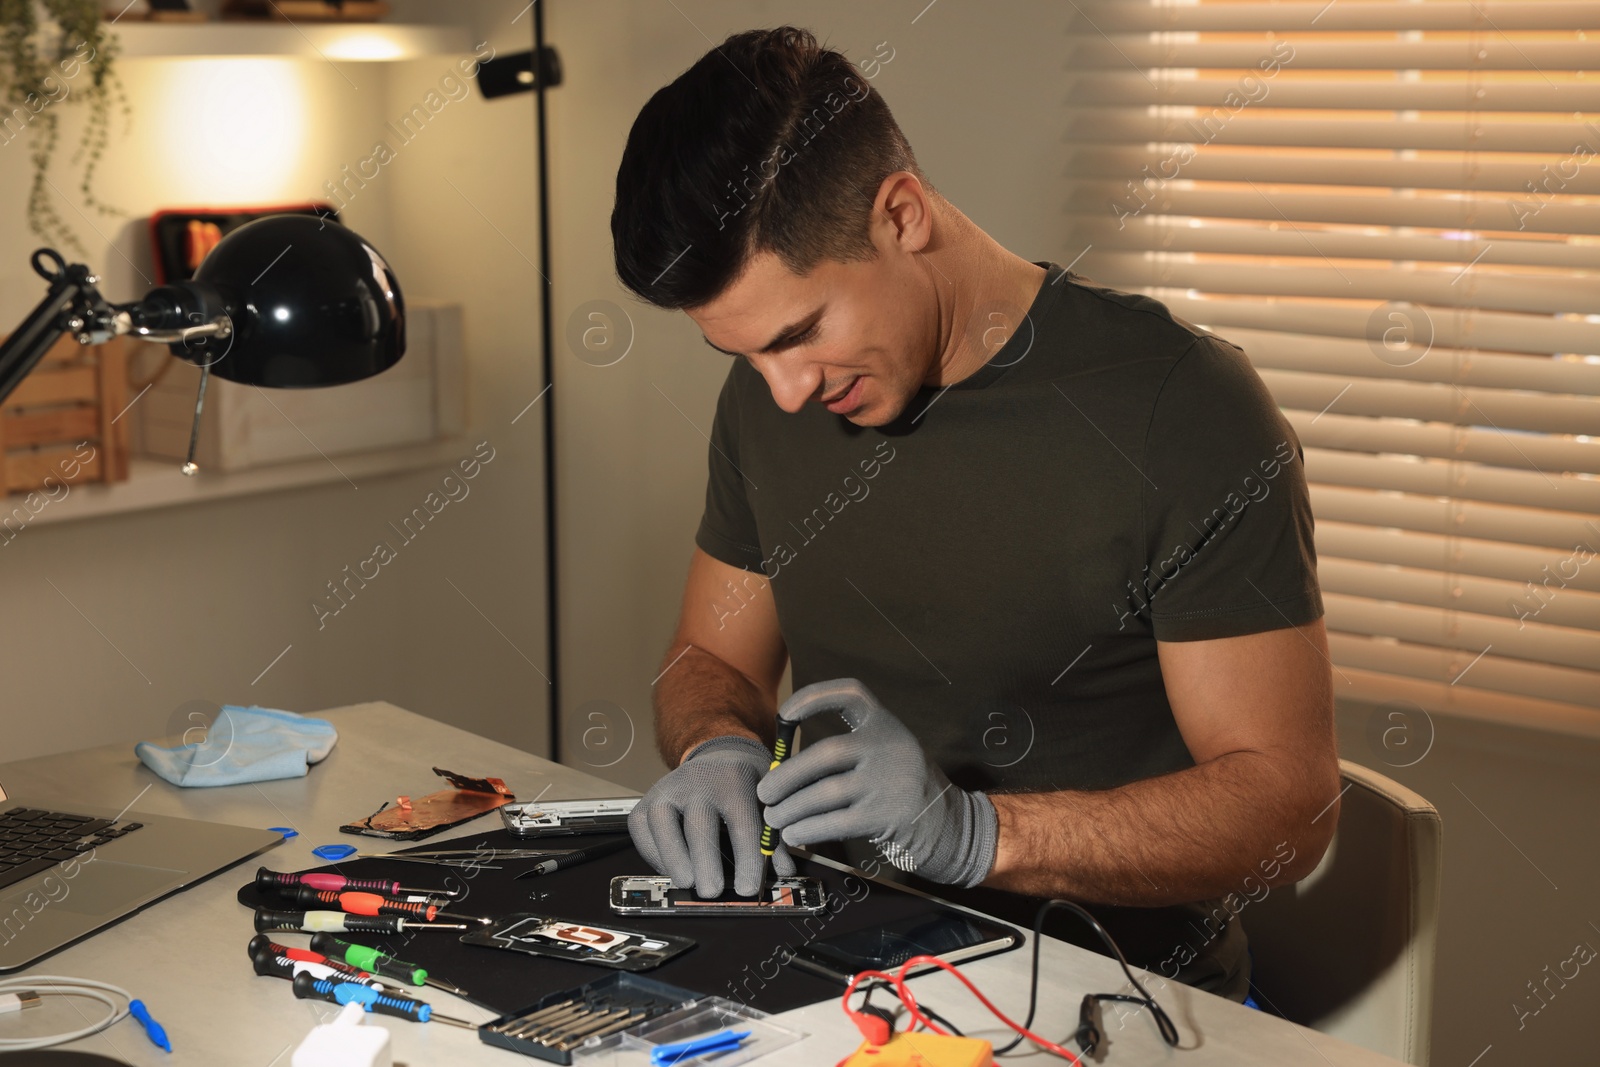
<point x="781" y="748"/>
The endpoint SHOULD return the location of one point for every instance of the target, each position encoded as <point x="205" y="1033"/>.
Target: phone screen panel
<point x="950" y="935"/>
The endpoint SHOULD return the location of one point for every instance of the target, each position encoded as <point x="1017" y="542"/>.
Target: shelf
<point x="159" y="483"/>
<point x="349" y="41"/>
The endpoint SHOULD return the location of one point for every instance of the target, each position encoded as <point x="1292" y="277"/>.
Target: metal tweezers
<point x="466" y="857"/>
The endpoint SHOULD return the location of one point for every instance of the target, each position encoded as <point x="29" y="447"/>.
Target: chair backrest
<point x="1349" y="950"/>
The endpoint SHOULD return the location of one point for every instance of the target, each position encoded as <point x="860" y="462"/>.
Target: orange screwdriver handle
<point x="366" y="903"/>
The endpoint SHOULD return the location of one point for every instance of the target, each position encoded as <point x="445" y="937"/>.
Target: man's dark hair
<point x="769" y="142"/>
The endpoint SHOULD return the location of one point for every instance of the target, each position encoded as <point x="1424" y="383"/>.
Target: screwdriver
<point x="262" y="945"/>
<point x="269" y="880"/>
<point x="781" y="748"/>
<point x="268" y="919"/>
<point x="309" y="988"/>
<point x="375" y="904"/>
<point x="371" y="960"/>
<point x="273" y="966"/>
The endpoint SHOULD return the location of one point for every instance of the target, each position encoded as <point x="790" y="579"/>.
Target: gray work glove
<point x="676" y="825"/>
<point x="876" y="782"/>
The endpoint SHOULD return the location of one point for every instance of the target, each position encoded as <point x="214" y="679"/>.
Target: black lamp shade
<point x="312" y="304"/>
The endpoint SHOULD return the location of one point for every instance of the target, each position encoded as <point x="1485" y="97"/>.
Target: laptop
<point x="66" y="873"/>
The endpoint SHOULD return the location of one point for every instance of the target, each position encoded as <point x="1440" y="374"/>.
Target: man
<point x="1051" y="603"/>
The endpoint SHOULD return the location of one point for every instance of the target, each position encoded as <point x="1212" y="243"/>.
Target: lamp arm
<point x="69" y="305"/>
<point x="73" y="305"/>
<point x="221" y="326"/>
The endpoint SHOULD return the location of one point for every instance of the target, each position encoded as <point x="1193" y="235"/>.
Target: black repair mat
<point x="736" y="957"/>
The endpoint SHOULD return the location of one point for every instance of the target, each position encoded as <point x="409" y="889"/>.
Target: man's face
<point x="865" y="335"/>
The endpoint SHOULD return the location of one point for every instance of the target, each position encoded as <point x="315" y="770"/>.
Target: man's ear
<point x="904" y="206"/>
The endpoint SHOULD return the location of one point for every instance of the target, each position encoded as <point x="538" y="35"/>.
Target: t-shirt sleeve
<point x="728" y="527"/>
<point x="1228" y="524"/>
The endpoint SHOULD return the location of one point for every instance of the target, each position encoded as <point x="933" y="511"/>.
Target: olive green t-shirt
<point x="998" y="563"/>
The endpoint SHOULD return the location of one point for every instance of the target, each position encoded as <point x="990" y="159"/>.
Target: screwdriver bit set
<point x="553" y="1026"/>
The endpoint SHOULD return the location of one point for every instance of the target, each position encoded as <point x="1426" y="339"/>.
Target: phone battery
<point x="553" y="818"/>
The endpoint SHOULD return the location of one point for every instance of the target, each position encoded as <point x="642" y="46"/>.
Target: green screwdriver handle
<point x="368" y="959"/>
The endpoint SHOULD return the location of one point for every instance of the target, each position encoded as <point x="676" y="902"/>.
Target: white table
<point x="184" y="956"/>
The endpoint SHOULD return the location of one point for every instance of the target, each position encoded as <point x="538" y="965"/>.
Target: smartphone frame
<point x="810" y="887"/>
<point x="570" y="817"/>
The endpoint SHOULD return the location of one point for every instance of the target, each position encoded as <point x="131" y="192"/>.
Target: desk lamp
<point x="284" y="301"/>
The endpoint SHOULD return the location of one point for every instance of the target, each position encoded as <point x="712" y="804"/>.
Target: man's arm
<point x="719" y="680"/>
<point x="1261" y="801"/>
<point x="720" y="676"/>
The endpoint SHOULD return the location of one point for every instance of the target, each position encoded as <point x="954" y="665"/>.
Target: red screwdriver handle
<point x="262" y="945"/>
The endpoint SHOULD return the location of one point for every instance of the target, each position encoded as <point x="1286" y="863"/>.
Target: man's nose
<point x="792" y="387"/>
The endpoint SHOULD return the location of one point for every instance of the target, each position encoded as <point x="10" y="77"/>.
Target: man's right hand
<point x="676" y="826"/>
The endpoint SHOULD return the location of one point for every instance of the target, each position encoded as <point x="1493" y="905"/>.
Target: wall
<point x="153" y="614"/>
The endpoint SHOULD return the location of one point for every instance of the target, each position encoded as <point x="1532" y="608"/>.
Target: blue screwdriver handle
<point x="308" y="988"/>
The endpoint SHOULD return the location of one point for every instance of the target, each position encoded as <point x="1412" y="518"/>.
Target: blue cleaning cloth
<point x="253" y="744"/>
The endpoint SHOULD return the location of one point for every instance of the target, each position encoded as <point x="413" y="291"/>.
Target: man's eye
<point x="802" y="338"/>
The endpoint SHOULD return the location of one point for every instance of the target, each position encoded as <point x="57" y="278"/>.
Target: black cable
<point x="1169" y="1032"/>
<point x="940" y="1019"/>
<point x="878" y="983"/>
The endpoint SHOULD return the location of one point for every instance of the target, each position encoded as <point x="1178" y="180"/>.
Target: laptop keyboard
<point x="32" y="840"/>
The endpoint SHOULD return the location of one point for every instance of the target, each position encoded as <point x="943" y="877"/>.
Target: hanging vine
<point x="43" y="66"/>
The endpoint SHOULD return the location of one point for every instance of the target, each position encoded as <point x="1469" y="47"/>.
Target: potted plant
<point x="54" y="52"/>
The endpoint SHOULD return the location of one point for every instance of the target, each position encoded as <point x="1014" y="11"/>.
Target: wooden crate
<point x="420" y="399"/>
<point x="58" y="422"/>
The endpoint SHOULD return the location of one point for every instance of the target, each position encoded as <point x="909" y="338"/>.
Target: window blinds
<point x="1394" y="209"/>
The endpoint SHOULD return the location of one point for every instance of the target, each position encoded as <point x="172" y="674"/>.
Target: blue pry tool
<point x="158" y="1036"/>
<point x="720" y="1041"/>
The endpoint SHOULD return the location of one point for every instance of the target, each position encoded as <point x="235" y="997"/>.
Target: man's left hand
<point x="876" y="782"/>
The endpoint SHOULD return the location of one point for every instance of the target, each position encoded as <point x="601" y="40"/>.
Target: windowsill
<point x="160" y="483"/>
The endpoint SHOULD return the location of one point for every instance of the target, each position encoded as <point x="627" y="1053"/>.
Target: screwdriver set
<point x="624" y="1020"/>
<point x="556" y="1024"/>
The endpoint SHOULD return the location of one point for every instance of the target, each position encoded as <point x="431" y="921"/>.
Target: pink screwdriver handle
<point x="326" y="881"/>
<point x="338" y="883"/>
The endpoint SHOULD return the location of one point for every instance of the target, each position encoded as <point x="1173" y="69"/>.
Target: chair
<point x="1349" y="950"/>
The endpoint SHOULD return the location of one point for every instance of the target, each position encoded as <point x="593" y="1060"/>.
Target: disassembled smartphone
<point x="408" y="819"/>
<point x="649" y="894"/>
<point x="553" y="818"/>
<point x="569" y="939"/>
